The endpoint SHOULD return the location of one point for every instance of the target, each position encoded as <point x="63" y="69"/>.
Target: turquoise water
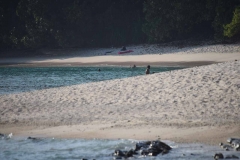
<point x="77" y="149"/>
<point x="21" y="79"/>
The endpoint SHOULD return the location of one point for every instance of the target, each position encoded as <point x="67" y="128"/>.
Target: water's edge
<point x="50" y="148"/>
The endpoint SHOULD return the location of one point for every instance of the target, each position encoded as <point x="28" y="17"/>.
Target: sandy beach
<point x="196" y="104"/>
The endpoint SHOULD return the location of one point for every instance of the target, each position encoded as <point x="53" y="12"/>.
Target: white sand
<point x="199" y="104"/>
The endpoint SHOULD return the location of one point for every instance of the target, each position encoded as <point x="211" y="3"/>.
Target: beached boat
<point x="127" y="51"/>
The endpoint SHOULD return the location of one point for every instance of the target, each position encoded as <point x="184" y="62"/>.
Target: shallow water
<point x="53" y="149"/>
<point x="21" y="79"/>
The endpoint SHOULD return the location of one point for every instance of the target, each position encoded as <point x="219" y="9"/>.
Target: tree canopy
<point x="106" y="23"/>
<point x="233" y="29"/>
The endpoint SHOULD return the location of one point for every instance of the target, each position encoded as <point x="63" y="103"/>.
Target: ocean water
<point x="22" y="79"/>
<point x="77" y="149"/>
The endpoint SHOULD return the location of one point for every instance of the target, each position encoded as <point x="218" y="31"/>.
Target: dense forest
<point x="106" y="23"/>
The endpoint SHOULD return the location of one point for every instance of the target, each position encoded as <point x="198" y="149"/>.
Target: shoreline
<point x="179" y="59"/>
<point x="142" y="55"/>
<point x="209" y="135"/>
<point x="198" y="104"/>
<point x="103" y="64"/>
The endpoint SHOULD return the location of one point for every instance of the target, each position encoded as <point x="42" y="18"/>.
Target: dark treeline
<point x="106" y="23"/>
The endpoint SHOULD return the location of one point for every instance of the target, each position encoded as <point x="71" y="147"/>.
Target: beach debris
<point x="9" y="136"/>
<point x="218" y="156"/>
<point x="144" y="148"/>
<point x="3" y="136"/>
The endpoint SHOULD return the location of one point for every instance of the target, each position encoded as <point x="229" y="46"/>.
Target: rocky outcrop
<point x="234" y="144"/>
<point x="145" y="148"/>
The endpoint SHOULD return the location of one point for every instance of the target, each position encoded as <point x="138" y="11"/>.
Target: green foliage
<point x="43" y="22"/>
<point x="8" y="22"/>
<point x="233" y="29"/>
<point x="106" y="23"/>
<point x="223" y="15"/>
<point x="174" y="20"/>
<point x="74" y="23"/>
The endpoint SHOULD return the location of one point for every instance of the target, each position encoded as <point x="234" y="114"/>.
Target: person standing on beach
<point x="123" y="48"/>
<point x="148" y="70"/>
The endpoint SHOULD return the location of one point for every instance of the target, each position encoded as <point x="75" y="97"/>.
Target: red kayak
<point x="127" y="51"/>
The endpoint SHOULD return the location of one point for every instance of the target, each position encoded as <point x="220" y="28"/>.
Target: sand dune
<point x="207" y="95"/>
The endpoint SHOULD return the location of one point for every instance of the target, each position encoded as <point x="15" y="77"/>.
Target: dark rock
<point x="160" y="145"/>
<point x="119" y="153"/>
<point x="130" y="153"/>
<point x="154" y="151"/>
<point x="165" y="152"/>
<point x="140" y="145"/>
<point x="225" y="146"/>
<point x="157" y="147"/>
<point x="2" y="135"/>
<point x="218" y="156"/>
<point x="145" y="148"/>
<point x="144" y="152"/>
<point x="235" y="142"/>
<point x="230" y="140"/>
<point x="124" y="154"/>
<point x="32" y="138"/>
<point x="231" y="157"/>
<point x="153" y="148"/>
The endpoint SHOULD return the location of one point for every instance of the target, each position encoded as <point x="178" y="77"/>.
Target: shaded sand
<point x="164" y="55"/>
<point x="199" y="104"/>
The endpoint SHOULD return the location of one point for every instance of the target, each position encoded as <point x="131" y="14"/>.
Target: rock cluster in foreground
<point x="234" y="144"/>
<point x="145" y="148"/>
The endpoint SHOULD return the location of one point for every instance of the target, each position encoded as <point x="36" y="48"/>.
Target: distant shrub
<point x="232" y="29"/>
